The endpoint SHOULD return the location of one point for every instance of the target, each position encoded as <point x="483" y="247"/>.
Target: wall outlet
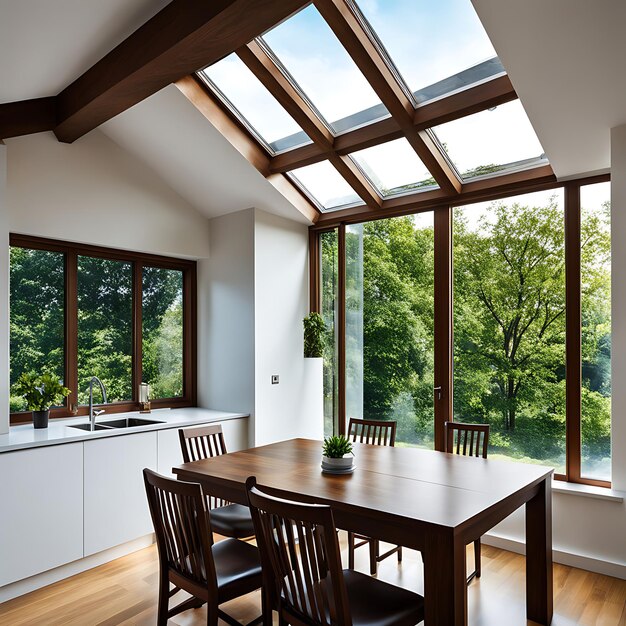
<point x="275" y="380"/>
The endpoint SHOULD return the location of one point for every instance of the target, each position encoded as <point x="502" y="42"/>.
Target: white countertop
<point x="60" y="431"/>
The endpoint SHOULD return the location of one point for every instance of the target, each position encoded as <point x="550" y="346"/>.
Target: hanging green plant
<point x="313" y="335"/>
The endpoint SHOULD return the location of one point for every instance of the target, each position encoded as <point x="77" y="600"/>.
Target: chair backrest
<point x="471" y="439"/>
<point x="182" y="527"/>
<point x="375" y="432"/>
<point x="300" y="558"/>
<point x="201" y="442"/>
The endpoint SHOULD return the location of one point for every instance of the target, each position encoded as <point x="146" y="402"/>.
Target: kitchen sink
<point x="88" y="427"/>
<point x="129" y="422"/>
<point x="126" y="422"/>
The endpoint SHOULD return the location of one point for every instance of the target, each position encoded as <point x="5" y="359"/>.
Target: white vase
<point x="343" y="463"/>
<point x="311" y="413"/>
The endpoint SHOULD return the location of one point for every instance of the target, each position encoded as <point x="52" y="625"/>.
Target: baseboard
<point x="591" y="564"/>
<point x="21" y="587"/>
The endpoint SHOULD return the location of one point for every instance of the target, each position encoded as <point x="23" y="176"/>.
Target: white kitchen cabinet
<point x="169" y="454"/>
<point x="41" y="510"/>
<point x="116" y="509"/>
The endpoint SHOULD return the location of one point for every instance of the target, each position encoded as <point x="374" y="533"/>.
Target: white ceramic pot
<point x="344" y="463"/>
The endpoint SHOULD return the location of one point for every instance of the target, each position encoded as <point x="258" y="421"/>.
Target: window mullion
<point x="443" y="322"/>
<point x="71" y="329"/>
<point x="573" y="331"/>
<point x="137" y="359"/>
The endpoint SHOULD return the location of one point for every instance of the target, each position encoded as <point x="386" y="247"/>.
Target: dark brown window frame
<point x="138" y="261"/>
<point x="443" y="281"/>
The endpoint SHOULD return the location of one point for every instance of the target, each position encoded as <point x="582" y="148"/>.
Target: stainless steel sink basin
<point x="88" y="427"/>
<point x="129" y="422"/>
<point x="126" y="422"/>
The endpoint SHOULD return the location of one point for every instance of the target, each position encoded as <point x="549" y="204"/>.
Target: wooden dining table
<point x="431" y="501"/>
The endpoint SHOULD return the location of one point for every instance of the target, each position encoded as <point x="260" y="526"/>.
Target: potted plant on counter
<point x="40" y="392"/>
<point x="337" y="456"/>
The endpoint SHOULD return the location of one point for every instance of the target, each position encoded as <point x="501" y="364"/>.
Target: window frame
<point x="138" y="260"/>
<point x="443" y="292"/>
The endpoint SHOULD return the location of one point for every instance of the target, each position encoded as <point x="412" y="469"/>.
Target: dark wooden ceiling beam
<point x="184" y="37"/>
<point x="471" y="100"/>
<point x="373" y="66"/>
<point x="248" y="147"/>
<point x="27" y="117"/>
<point x="266" y="70"/>
<point x="487" y="189"/>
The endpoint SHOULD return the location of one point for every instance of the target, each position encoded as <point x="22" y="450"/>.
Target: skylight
<point x="244" y="94"/>
<point x="494" y="141"/>
<point x="437" y="47"/>
<point x="323" y="183"/>
<point x="394" y="168"/>
<point x="318" y="63"/>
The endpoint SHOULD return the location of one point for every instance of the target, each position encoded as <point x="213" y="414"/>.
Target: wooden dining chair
<point x="188" y="558"/>
<point x="468" y="440"/>
<point x="378" y="433"/>
<point x="302" y="575"/>
<point x="203" y="442"/>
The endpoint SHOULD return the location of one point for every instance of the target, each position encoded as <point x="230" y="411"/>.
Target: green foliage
<point x="509" y="326"/>
<point x="104" y="324"/>
<point x="41" y="391"/>
<point x="314" y="328"/>
<point x="336" y="447"/>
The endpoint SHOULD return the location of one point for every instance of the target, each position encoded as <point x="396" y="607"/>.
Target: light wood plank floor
<point x="125" y="592"/>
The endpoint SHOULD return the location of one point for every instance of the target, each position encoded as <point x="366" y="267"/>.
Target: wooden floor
<point x="125" y="592"/>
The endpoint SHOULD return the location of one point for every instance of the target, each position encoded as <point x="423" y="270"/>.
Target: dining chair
<point x="203" y="442"/>
<point x="302" y="575"/>
<point x="379" y="433"/>
<point x="468" y="440"/>
<point x="213" y="573"/>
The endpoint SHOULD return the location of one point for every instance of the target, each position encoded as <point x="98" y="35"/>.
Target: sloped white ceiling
<point x="176" y="141"/>
<point x="46" y="44"/>
<point x="566" y="60"/>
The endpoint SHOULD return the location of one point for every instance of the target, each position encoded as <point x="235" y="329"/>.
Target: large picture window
<point x="495" y="312"/>
<point x="82" y="311"/>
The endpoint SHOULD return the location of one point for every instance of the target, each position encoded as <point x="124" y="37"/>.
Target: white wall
<point x="4" y="297"/>
<point x="226" y="316"/>
<point x="586" y="527"/>
<point x="92" y="191"/>
<point x="253" y="294"/>
<point x="281" y="301"/>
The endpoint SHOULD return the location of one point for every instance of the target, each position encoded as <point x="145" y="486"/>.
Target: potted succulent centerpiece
<point x="40" y="392"/>
<point x="337" y="456"/>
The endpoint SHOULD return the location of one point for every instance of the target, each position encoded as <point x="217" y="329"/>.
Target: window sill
<point x="587" y="491"/>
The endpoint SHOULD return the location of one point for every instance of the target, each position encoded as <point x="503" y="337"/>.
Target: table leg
<point x="539" y="555"/>
<point x="445" y="588"/>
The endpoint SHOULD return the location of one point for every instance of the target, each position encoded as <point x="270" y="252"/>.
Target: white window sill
<point x="587" y="491"/>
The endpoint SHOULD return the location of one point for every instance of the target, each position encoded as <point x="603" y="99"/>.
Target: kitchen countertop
<point x="60" y="431"/>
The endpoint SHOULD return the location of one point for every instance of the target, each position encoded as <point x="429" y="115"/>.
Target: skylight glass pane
<point x="324" y="71"/>
<point x="325" y="186"/>
<point x="394" y="168"/>
<point x="254" y="104"/>
<point x="491" y="141"/>
<point x="433" y="44"/>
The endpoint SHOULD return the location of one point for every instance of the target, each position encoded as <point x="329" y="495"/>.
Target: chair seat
<point x="376" y="603"/>
<point x="233" y="520"/>
<point x="238" y="568"/>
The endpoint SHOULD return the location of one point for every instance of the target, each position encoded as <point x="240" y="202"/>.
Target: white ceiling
<point x="566" y="60"/>
<point x="192" y="157"/>
<point x="46" y="44"/>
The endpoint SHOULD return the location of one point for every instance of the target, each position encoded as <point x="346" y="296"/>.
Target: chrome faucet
<point x="92" y="413"/>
